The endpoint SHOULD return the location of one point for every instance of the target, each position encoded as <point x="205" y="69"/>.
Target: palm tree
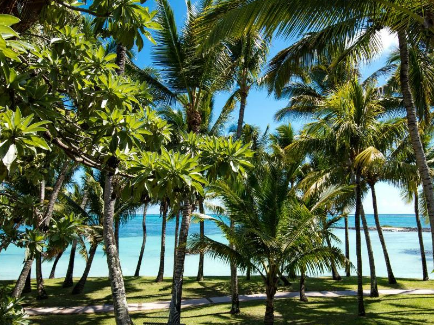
<point x="142" y="248"/>
<point x="271" y="224"/>
<point x="164" y="206"/>
<point x="334" y="25"/>
<point x="348" y="124"/>
<point x="248" y="55"/>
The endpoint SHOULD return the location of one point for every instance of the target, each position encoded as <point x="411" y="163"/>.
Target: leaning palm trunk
<point x="175" y="304"/>
<point x="19" y="286"/>
<point x="360" y="303"/>
<point x="142" y="249"/>
<point x="53" y="268"/>
<point x="69" y="282"/>
<point x="347" y="249"/>
<point x="28" y="285"/>
<point x="46" y="219"/>
<point x="202" y="235"/>
<point x="115" y="272"/>
<point x="235" y="300"/>
<point x="303" y="296"/>
<point x="374" y="287"/>
<point x="335" y="273"/>
<point x="163" y="246"/>
<point x="390" y="275"/>
<point x="419" y="234"/>
<point x="414" y="130"/>
<point x="79" y="287"/>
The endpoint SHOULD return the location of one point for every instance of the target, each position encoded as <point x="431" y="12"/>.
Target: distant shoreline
<point x="392" y="229"/>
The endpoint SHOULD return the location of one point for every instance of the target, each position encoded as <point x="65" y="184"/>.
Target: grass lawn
<point x="384" y="310"/>
<point x="409" y="310"/>
<point x="144" y="289"/>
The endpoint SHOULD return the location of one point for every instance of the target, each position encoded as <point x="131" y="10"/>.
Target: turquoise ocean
<point x="403" y="250"/>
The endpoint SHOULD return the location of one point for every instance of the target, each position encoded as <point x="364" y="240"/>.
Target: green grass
<point x="144" y="289"/>
<point x="402" y="309"/>
<point x="409" y="310"/>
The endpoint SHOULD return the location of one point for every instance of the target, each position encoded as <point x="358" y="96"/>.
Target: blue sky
<point x="261" y="108"/>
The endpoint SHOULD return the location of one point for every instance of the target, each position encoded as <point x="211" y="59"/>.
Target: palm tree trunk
<point x="163" y="244"/>
<point x="115" y="272"/>
<point x="56" y="190"/>
<point x="270" y="290"/>
<point x="248" y="273"/>
<point x="303" y="296"/>
<point x="42" y="294"/>
<point x="202" y="236"/>
<point x="121" y="58"/>
<point x="175" y="249"/>
<point x="28" y="285"/>
<point x="360" y="303"/>
<point x="19" y="286"/>
<point x="413" y="129"/>
<point x="175" y="304"/>
<point x="390" y="275"/>
<point x="243" y="102"/>
<point x="117" y="226"/>
<point x="69" y="282"/>
<point x="335" y="273"/>
<point x="53" y="269"/>
<point x="419" y="234"/>
<point x="79" y="287"/>
<point x="235" y="300"/>
<point x="142" y="249"/>
<point x="374" y="287"/>
<point x="347" y="249"/>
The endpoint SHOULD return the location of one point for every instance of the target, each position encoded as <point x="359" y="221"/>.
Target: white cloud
<point x="389" y="40"/>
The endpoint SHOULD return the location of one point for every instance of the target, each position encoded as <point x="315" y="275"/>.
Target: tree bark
<point x="56" y="190"/>
<point x="248" y="273"/>
<point x="390" y="275"/>
<point x="69" y="281"/>
<point x="19" y="286"/>
<point x="347" y="249"/>
<point x="335" y="274"/>
<point x="374" y="287"/>
<point x="270" y="290"/>
<point x="117" y="227"/>
<point x="121" y="58"/>
<point x="360" y="303"/>
<point x="42" y="294"/>
<point x="163" y="243"/>
<point x="414" y="131"/>
<point x="235" y="300"/>
<point x="243" y="102"/>
<point x="202" y="236"/>
<point x="142" y="249"/>
<point x="420" y="235"/>
<point x="115" y="272"/>
<point x="175" y="304"/>
<point x="175" y="250"/>
<point x="28" y="285"/>
<point x="53" y="269"/>
<point x="79" y="287"/>
<point x="303" y="296"/>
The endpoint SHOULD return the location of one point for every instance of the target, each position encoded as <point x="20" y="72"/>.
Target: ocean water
<point x="403" y="250"/>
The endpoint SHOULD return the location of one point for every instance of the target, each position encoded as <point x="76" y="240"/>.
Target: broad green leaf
<point x="8" y="20"/>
